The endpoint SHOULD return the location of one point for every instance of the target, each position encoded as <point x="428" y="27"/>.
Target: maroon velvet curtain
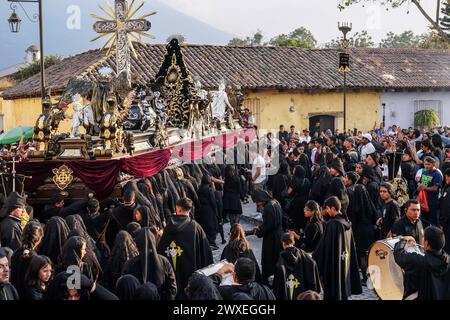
<point x="146" y="164"/>
<point x="101" y="176"/>
<point x="38" y="171"/>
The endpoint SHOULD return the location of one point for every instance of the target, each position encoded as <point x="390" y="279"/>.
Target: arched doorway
<point x="326" y="122"/>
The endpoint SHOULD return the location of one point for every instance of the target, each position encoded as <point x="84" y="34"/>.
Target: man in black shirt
<point x="244" y="276"/>
<point x="283" y="134"/>
<point x="410" y="224"/>
<point x="430" y="272"/>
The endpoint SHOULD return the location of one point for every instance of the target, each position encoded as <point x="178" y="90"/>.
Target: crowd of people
<point x="333" y="195"/>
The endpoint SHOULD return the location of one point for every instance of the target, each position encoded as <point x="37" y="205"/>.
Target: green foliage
<point x="445" y="20"/>
<point x="406" y="39"/>
<point x="300" y="37"/>
<point x="254" y="40"/>
<point x="426" y="118"/>
<point x="358" y="40"/>
<point x="386" y="3"/>
<point x="35" y="67"/>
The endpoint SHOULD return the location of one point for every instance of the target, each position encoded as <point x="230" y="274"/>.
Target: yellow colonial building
<point x="283" y="85"/>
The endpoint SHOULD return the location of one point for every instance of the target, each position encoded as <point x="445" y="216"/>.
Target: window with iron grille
<point x="435" y="105"/>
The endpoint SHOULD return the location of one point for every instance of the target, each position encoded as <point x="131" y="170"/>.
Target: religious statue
<point x="220" y="106"/>
<point x="148" y="114"/>
<point x="88" y="119"/>
<point x="77" y="116"/>
<point x="47" y="123"/>
<point x="108" y="124"/>
<point x="161" y="137"/>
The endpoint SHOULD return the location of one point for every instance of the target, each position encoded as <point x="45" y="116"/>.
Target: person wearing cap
<point x="390" y="210"/>
<point x="349" y="148"/>
<point x="367" y="146"/>
<point x="10" y="226"/>
<point x="305" y="137"/>
<point x="337" y="169"/>
<point x="427" y="274"/>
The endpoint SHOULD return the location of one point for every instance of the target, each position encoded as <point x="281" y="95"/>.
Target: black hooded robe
<point x="391" y="213"/>
<point x="296" y="272"/>
<point x="185" y="245"/>
<point x="337" y="260"/>
<point x="231" y="257"/>
<point x="254" y="290"/>
<point x="11" y="233"/>
<point x="271" y="231"/>
<point x="207" y="214"/>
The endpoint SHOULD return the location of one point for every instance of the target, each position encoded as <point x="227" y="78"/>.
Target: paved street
<point x="248" y="221"/>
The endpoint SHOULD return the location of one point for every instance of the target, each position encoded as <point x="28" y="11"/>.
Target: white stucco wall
<point x="400" y="106"/>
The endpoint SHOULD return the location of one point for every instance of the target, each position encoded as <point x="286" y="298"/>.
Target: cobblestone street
<point x="249" y="220"/>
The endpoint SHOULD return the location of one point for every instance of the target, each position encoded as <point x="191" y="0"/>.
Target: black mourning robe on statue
<point x="431" y="272"/>
<point x="296" y="273"/>
<point x="185" y="245"/>
<point x="337" y="260"/>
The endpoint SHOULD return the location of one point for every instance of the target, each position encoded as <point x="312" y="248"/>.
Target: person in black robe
<point x="10" y="226"/>
<point x="409" y="170"/>
<point x="350" y="180"/>
<point x="431" y="272"/>
<point x="310" y="238"/>
<point x="55" y="235"/>
<point x="336" y="256"/>
<point x="270" y="230"/>
<point x="96" y="224"/>
<point x="123" y="250"/>
<point x="185" y="189"/>
<point x="90" y="259"/>
<point x="372" y="183"/>
<point x="321" y="181"/>
<point x="185" y="244"/>
<point x="158" y="195"/>
<point x="298" y="195"/>
<point x="373" y="161"/>
<point x="280" y="184"/>
<point x="364" y="218"/>
<point x="73" y="254"/>
<point x="89" y="289"/>
<point x="126" y="287"/>
<point x="296" y="272"/>
<point x="121" y="216"/>
<point x="58" y="208"/>
<point x="390" y="210"/>
<point x="7" y="290"/>
<point x="337" y="189"/>
<point x="147" y="217"/>
<point x="20" y="260"/>
<point x="207" y="214"/>
<point x="238" y="247"/>
<point x="244" y="278"/>
<point x="201" y="287"/>
<point x="232" y="207"/>
<point x="149" y="266"/>
<point x="444" y="209"/>
<point x="37" y="278"/>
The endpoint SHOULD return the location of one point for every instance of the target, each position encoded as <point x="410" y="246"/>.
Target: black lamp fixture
<point x="344" y="63"/>
<point x="14" y="22"/>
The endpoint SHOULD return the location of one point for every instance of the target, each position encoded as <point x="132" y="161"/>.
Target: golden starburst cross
<point x="119" y="25"/>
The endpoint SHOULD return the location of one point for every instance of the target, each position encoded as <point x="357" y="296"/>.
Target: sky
<point x="273" y="17"/>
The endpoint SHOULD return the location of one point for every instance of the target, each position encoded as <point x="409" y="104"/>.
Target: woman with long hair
<point x="149" y="266"/>
<point x="73" y="254"/>
<point x="123" y="250"/>
<point x="298" y="192"/>
<point x="207" y="215"/>
<point x="31" y="238"/>
<point x="314" y="227"/>
<point x="281" y="182"/>
<point x="232" y="206"/>
<point x="55" y="235"/>
<point x="238" y="247"/>
<point x="37" y="278"/>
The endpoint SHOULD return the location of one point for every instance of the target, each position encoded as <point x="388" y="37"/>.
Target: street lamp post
<point x="14" y="24"/>
<point x="344" y="63"/>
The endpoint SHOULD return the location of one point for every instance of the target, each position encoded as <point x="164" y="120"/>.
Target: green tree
<point x="445" y="20"/>
<point x="254" y="40"/>
<point x="300" y="37"/>
<point x="433" y="18"/>
<point x="35" y="67"/>
<point x="406" y="39"/>
<point x="432" y="40"/>
<point x="358" y="40"/>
